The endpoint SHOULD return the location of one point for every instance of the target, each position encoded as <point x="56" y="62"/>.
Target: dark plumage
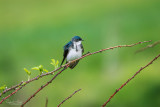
<point x="66" y="48"/>
<point x="73" y="51"/>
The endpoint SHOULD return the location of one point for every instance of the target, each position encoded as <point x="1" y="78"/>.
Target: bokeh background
<point x="32" y="32"/>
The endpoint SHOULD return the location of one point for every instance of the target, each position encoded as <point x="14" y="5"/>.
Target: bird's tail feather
<point x="62" y="61"/>
<point x="72" y="65"/>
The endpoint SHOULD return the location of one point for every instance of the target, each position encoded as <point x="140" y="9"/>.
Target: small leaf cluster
<point x="41" y="69"/>
<point x="55" y="63"/>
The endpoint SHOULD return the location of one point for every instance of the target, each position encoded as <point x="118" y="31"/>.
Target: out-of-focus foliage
<point x="34" y="31"/>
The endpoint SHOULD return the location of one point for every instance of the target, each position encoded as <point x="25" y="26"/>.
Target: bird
<point x="73" y="50"/>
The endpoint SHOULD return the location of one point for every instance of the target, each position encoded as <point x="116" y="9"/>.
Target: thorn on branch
<point x="116" y="90"/>
<point x="49" y="82"/>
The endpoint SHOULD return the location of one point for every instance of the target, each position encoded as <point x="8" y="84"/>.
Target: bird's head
<point x="77" y="39"/>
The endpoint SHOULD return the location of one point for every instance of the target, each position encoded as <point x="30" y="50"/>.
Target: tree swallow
<point x="73" y="50"/>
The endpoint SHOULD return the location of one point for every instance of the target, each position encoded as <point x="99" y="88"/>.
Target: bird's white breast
<point x="73" y="53"/>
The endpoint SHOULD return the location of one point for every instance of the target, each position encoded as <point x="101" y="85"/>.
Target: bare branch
<point x="42" y="87"/>
<point x="10" y="95"/>
<point x="117" y="90"/>
<point x="68" y="98"/>
<point x="20" y="86"/>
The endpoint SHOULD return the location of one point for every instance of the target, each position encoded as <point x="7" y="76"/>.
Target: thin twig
<point x="46" y="105"/>
<point x="52" y="72"/>
<point x="117" y="90"/>
<point x="68" y="98"/>
<point x="148" y="46"/>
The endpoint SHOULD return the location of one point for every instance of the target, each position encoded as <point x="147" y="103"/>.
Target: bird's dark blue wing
<point x="66" y="49"/>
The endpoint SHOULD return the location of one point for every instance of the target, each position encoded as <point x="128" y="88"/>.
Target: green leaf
<point x="35" y="68"/>
<point x="28" y="72"/>
<point x="53" y="62"/>
<point x="57" y="62"/>
<point x="40" y="68"/>
<point x="24" y="83"/>
<point x="45" y="70"/>
<point x="3" y="87"/>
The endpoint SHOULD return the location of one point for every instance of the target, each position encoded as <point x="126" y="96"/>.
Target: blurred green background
<point x="32" y="32"/>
